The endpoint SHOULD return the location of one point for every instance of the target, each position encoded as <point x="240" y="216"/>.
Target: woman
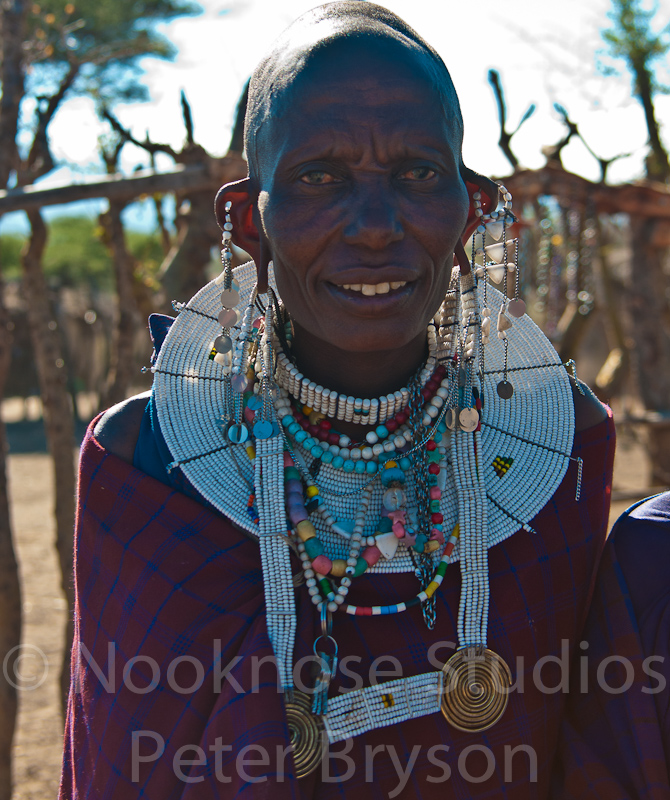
<point x="324" y="454"/>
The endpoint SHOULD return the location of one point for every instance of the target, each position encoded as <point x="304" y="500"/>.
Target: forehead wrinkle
<point x="318" y="30"/>
<point x="305" y="93"/>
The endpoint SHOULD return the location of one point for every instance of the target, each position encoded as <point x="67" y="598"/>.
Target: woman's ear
<point x="242" y="198"/>
<point x="245" y="233"/>
<point x="474" y="182"/>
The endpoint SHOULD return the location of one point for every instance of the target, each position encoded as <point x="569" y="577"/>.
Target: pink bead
<point x="437" y="535"/>
<point x="370" y="555"/>
<point x="435" y="493"/>
<point x="399" y="529"/>
<point x="322" y="564"/>
<point x="288" y="461"/>
<point x="249" y="415"/>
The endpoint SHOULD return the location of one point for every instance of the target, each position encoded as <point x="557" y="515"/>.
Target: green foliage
<point x="104" y="39"/>
<point x="632" y="38"/>
<point x="10" y="255"/>
<point x="76" y="256"/>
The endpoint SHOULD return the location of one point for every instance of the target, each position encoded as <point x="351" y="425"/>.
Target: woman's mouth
<point x="371" y="289"/>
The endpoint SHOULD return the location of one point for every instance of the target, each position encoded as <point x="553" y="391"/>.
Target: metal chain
<point x="424" y="563"/>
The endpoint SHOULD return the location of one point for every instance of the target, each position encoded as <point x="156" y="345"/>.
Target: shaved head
<point x="341" y="29"/>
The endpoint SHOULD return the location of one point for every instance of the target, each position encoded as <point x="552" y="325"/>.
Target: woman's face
<point x="361" y="200"/>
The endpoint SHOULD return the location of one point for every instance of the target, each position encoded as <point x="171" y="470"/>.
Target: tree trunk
<point x="184" y="270"/>
<point x="648" y="307"/>
<point x="121" y="366"/>
<point x="58" y="414"/>
<point x="12" y="29"/>
<point x="10" y="589"/>
<point x="658" y="167"/>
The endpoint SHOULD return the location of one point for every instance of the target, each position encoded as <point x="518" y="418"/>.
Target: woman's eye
<point x="317" y="177"/>
<point x="418" y="174"/>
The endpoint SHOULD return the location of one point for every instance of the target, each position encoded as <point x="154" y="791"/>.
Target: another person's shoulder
<point x="641" y="539"/>
<point x="119" y="427"/>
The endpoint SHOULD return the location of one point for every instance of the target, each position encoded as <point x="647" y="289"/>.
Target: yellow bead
<point x="312" y="491"/>
<point x="251" y="452"/>
<point x="431" y="588"/>
<point x="339" y="567"/>
<point x="306" y="410"/>
<point x="305" y="530"/>
<point x="456" y="531"/>
<point x="431" y="546"/>
<point x="315" y="417"/>
<point x="391" y="464"/>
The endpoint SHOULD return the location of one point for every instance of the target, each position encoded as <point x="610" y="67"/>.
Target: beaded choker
<point x="365" y="411"/>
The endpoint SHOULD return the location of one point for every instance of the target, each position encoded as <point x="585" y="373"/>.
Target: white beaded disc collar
<point x="526" y="439"/>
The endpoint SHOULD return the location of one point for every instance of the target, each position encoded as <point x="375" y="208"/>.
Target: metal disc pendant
<point x="263" y="429"/>
<point x="476" y="689"/>
<point x="505" y="390"/>
<point x="237" y="434"/>
<point x="517" y="307"/>
<point x="451" y="417"/>
<point x="469" y="419"/>
<point x="223" y="344"/>
<point x="239" y="382"/>
<point x="230" y="298"/>
<point x="228" y="317"/>
<point x="305" y="732"/>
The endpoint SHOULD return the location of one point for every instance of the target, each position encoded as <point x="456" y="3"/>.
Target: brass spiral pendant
<point x="305" y="734"/>
<point x="476" y="689"/>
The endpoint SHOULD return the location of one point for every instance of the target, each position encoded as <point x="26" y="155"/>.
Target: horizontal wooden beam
<point x="643" y="199"/>
<point x="183" y="178"/>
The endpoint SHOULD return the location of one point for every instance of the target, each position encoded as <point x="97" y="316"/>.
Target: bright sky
<point x="544" y="50"/>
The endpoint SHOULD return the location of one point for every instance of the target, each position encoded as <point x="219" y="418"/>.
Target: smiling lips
<point x="371" y="289"/>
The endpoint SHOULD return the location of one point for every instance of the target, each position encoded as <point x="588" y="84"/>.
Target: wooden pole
<point x="57" y="412"/>
<point x="206" y="176"/>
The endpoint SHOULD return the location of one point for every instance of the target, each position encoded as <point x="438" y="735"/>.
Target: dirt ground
<point x="38" y="738"/>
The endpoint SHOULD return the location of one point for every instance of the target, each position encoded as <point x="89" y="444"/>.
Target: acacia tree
<point x="632" y="39"/>
<point x="52" y="51"/>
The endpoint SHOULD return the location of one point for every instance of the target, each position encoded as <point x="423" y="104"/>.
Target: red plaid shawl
<point x="158" y="576"/>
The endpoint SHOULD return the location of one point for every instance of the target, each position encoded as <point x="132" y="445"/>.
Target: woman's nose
<point x="374" y="219"/>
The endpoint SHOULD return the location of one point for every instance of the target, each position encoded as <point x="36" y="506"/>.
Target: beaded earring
<point x="498" y="261"/>
<point x="234" y="354"/>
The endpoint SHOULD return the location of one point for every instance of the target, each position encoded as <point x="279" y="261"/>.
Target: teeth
<point x="371" y="289"/>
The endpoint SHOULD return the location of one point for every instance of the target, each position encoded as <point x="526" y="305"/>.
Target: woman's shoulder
<point x="589" y="411"/>
<point x="118" y="428"/>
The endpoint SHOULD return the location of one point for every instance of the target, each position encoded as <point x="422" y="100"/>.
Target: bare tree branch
<point x="150" y="147"/>
<point x="188" y="118"/>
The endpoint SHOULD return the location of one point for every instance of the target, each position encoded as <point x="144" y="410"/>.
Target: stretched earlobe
<point x="246" y="234"/>
<point x="461" y="258"/>
<point x="474" y="182"/>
